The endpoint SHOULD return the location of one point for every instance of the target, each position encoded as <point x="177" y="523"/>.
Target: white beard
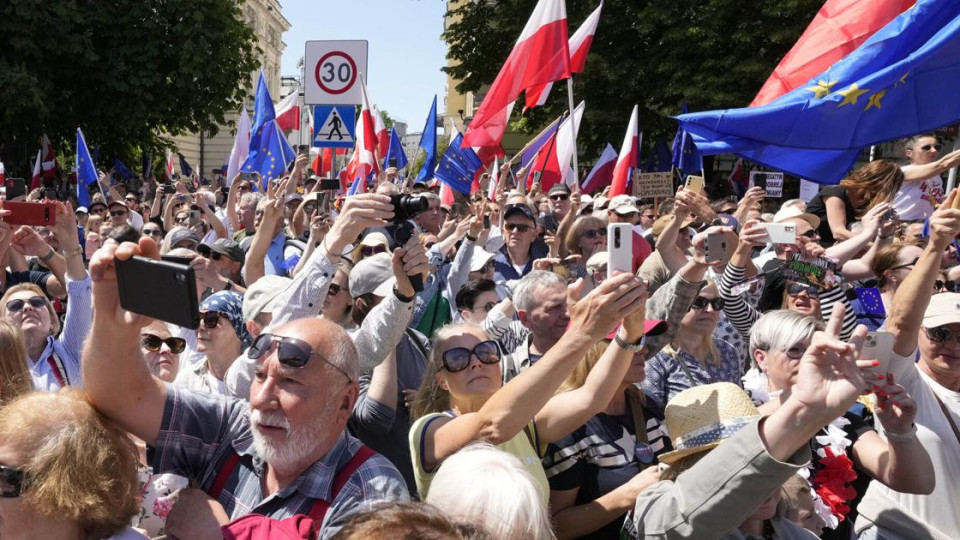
<point x="298" y="445"/>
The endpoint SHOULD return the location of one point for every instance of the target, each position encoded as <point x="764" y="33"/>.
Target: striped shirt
<point x="200" y="431"/>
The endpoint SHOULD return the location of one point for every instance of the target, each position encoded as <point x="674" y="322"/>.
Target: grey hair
<point x="485" y="486"/>
<point x="430" y="196"/>
<point x="344" y="352"/>
<point x="524" y="295"/>
<point x="780" y="329"/>
<point x="251" y="197"/>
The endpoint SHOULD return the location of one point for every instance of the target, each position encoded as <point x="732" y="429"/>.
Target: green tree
<point x="124" y="71"/>
<point x="714" y="54"/>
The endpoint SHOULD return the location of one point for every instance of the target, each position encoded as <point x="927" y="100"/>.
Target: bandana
<point x="230" y="304"/>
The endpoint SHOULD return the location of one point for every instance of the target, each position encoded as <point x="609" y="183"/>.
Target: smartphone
<point x="619" y="248"/>
<point x="486" y="221"/>
<point x="168" y="189"/>
<point x="760" y="180"/>
<point x="16" y="187"/>
<point x="781" y="233"/>
<point x="248" y="176"/>
<point x="694" y="183"/>
<point x="329" y="184"/>
<point x="890" y="216"/>
<point x="716" y="247"/>
<point x="392" y="162"/>
<point x="878" y="346"/>
<point x="27" y="213"/>
<point x="176" y="260"/>
<point x="161" y="290"/>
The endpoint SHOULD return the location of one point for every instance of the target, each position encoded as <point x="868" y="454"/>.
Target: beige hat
<point x="261" y="296"/>
<point x="623" y="205"/>
<point x="597" y="261"/>
<point x="700" y="418"/>
<point x="375" y="239"/>
<point x="790" y="212"/>
<point x="944" y="308"/>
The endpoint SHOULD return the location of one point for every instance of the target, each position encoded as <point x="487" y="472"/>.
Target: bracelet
<point x="902" y="437"/>
<point x="632" y="347"/>
<point x="48" y="256"/>
<point x="77" y="251"/>
<point x="402" y="298"/>
<point x="471" y="238"/>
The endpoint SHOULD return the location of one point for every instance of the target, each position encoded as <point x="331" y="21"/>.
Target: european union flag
<point x="869" y="307"/>
<point x="428" y="141"/>
<point x="263" y="113"/>
<point x="458" y="166"/>
<point x="272" y="157"/>
<point x="900" y="82"/>
<point x="686" y="158"/>
<point x="185" y="168"/>
<point x="86" y="172"/>
<point x="122" y="169"/>
<point x="395" y="151"/>
<point x="659" y="159"/>
<point x="146" y="165"/>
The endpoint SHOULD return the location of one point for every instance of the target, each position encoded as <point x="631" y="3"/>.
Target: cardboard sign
<point x="772" y="182"/>
<point x="656" y="184"/>
<point x="808" y="190"/>
<point x="820" y="272"/>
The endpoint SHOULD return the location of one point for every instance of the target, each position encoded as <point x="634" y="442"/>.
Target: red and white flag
<point x="3" y="172"/>
<point x="366" y="135"/>
<point x="288" y="112"/>
<point x="37" y="177"/>
<point x="628" y="159"/>
<point x="383" y="136"/>
<point x="602" y="173"/>
<point x="553" y="160"/>
<point x="494" y="180"/>
<point x="241" y="147"/>
<point x="541" y="55"/>
<point x="169" y="166"/>
<point x="49" y="159"/>
<point x="579" y="44"/>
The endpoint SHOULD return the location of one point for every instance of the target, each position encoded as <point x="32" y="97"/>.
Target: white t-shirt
<point x="912" y="202"/>
<point x="939" y="509"/>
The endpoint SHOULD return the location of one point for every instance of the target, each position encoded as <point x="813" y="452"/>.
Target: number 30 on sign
<point x="333" y="69"/>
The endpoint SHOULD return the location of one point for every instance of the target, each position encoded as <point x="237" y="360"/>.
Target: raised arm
<point x="254" y="266"/>
<point x="915" y="173"/>
<point x="855" y="242"/>
<point x="837" y="218"/>
<point x="232" y="203"/>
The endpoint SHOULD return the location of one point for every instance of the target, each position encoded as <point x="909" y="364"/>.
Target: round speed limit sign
<point x="336" y="72"/>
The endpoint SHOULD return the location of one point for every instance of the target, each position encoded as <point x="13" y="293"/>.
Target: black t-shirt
<point x="818" y="207"/>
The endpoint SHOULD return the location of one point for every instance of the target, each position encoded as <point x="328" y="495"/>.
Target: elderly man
<point x="541" y="302"/>
<point x="432" y="220"/>
<point x="276" y="456"/>
<point x="922" y="187"/>
<point x="520" y="249"/>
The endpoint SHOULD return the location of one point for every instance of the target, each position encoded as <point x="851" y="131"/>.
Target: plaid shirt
<point x="200" y="431"/>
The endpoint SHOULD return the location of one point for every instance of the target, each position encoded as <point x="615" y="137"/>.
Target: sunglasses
<point x="458" y="358"/>
<point x="333" y="290"/>
<point x="367" y="251"/>
<point x="118" y="213"/>
<point x="291" y="352"/>
<point x="488" y="267"/>
<point x="559" y="197"/>
<point x="486" y="307"/>
<point x="795" y="352"/>
<point x="928" y="147"/>
<point x="947" y="286"/>
<point x="518" y="227"/>
<point x="594" y="233"/>
<point x="701" y="302"/>
<point x="11" y="482"/>
<point x="243" y="187"/>
<point x="940" y="334"/>
<point x="906" y="265"/>
<point x="153" y="343"/>
<point x="184" y="219"/>
<point x="648" y="216"/>
<point x="310" y="208"/>
<point x="36" y="302"/>
<point x="209" y="253"/>
<point x="812" y="233"/>
<point x="794" y="290"/>
<point x="211" y="319"/>
<point x="97" y="209"/>
<point x="152" y="232"/>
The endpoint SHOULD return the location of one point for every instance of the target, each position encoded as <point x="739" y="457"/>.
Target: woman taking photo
<point x="869" y="188"/>
<point x="587" y="236"/>
<point x="892" y="265"/>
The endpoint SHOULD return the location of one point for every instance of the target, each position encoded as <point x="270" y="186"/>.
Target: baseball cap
<point x="790" y="212"/>
<point x="521" y="209"/>
<point x="372" y="275"/>
<point x="180" y="234"/>
<point x="597" y="261"/>
<point x="479" y="259"/>
<point x="228" y="247"/>
<point x="944" y="308"/>
<point x="117" y="202"/>
<point x="260" y="297"/>
<point x="292" y="197"/>
<point x="623" y="205"/>
<point x="81" y="210"/>
<point x="375" y="239"/>
<point x="559" y="187"/>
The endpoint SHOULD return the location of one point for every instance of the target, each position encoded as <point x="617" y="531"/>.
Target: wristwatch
<point x="632" y="347"/>
<point x="228" y="286"/>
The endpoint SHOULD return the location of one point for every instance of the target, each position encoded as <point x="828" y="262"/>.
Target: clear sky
<point x="405" y="53"/>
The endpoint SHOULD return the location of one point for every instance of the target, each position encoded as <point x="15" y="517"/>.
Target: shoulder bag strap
<point x="636" y="409"/>
<point x="946" y="412"/>
<point x="59" y="370"/>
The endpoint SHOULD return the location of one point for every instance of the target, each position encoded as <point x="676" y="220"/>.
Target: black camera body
<point x="405" y="208"/>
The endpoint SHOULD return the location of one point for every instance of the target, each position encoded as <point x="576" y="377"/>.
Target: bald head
<point x="328" y="340"/>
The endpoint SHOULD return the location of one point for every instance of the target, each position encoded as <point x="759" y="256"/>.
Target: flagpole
<point x="573" y="132"/>
<point x="533" y="140"/>
<point x="952" y="175"/>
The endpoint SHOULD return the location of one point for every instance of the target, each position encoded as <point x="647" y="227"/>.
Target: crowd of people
<point x="386" y="365"/>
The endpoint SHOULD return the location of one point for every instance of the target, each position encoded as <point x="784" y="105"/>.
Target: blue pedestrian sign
<point x="334" y="126"/>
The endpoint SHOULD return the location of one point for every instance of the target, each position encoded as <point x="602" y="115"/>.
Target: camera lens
<point x="408" y="206"/>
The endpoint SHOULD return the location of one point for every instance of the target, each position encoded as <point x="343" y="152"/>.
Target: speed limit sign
<point x="333" y="70"/>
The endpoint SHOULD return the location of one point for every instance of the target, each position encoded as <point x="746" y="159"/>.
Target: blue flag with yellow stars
<point x="869" y="307"/>
<point x="263" y="112"/>
<point x="686" y="157"/>
<point x="86" y="171"/>
<point x="272" y="157"/>
<point x="902" y="81"/>
<point x="458" y="166"/>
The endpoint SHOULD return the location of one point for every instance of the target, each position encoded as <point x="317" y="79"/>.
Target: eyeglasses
<point x="795" y="352"/>
<point x="36" y="302"/>
<point x="489" y="266"/>
<point x="812" y="233"/>
<point x="183" y="219"/>
<point x="486" y="307"/>
<point x="153" y="343"/>
<point x="927" y="147"/>
<point x="590" y="234"/>
<point x="205" y="251"/>
<point x="309" y="208"/>
<point x="942" y="286"/>
<point x="152" y="232"/>
<point x="648" y="216"/>
<point x="333" y="290"/>
<point x="906" y="265"/>
<point x="518" y="227"/>
<point x="291" y="352"/>
<point x="940" y="334"/>
<point x="11" y="482"/>
<point x="118" y="213"/>
<point x="367" y="251"/>
<point x="130" y="199"/>
<point x="243" y="187"/>
<point x="458" y="358"/>
<point x="794" y="290"/>
<point x="701" y="302"/>
<point x="211" y="319"/>
<point x="97" y="209"/>
<point x="559" y="197"/>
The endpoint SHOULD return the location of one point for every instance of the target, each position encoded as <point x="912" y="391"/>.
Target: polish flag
<point x="838" y="29"/>
<point x="49" y="164"/>
<point x="494" y="180"/>
<point x="241" y="147"/>
<point x="553" y="160"/>
<point x="602" y="172"/>
<point x="37" y="177"/>
<point x="3" y="172"/>
<point x="629" y="157"/>
<point x="288" y="112"/>
<point x="541" y="55"/>
<point x="169" y="166"/>
<point x="487" y="137"/>
<point x="579" y="44"/>
<point x="446" y="195"/>
<point x="366" y="146"/>
<point x="383" y="136"/>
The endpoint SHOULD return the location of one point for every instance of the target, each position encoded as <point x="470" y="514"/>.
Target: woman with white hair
<point x="487" y="487"/>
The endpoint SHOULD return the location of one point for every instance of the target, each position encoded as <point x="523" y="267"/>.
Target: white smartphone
<point x="781" y="233"/>
<point x="878" y="346"/>
<point x="716" y="248"/>
<point x="619" y="248"/>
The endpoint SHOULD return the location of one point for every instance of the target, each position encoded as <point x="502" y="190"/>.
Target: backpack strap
<point x="319" y="510"/>
<point x="223" y="475"/>
<point x="417" y="343"/>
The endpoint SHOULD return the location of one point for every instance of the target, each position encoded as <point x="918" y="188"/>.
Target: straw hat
<point x="701" y="417"/>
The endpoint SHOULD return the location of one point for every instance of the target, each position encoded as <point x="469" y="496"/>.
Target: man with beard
<point x="277" y="456"/>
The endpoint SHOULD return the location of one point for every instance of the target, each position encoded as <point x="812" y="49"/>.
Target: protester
<point x="408" y="521"/>
<point x="922" y="188"/>
<point x="541" y="302"/>
<point x="161" y="350"/>
<point x="221" y="338"/>
<point x="871" y="187"/>
<point x="892" y="265"/>
<point x="515" y="259"/>
<point x="587" y="236"/>
<point x="476" y="299"/>
<point x="15" y="378"/>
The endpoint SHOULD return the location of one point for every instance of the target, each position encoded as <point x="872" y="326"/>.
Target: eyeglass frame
<point x="905" y="265"/>
<point x="486" y="307"/>
<point x="716" y="303"/>
<point x="182" y="343"/>
<point x="811" y="290"/>
<point x="42" y="303"/>
<point x="556" y="197"/>
<point x="303" y="346"/>
<point x="590" y="234"/>
<point x="938" y="340"/>
<point x="472" y="352"/>
<point x="205" y="315"/>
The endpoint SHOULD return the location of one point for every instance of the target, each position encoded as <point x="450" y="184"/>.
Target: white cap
<point x="479" y="259"/>
<point x="790" y="212"/>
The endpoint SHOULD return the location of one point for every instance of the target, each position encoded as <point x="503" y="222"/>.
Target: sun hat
<point x="790" y="212"/>
<point x="944" y="308"/>
<point x="479" y="259"/>
<point x="700" y="418"/>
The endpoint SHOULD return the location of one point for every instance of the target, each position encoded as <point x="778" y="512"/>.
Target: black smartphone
<point x="486" y="221"/>
<point x="16" y="187"/>
<point x="393" y="162"/>
<point x="168" y="189"/>
<point x="760" y="180"/>
<point x="161" y="290"/>
<point x="329" y="184"/>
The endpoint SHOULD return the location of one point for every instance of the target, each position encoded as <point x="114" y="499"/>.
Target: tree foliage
<point x="714" y="54"/>
<point x="124" y="71"/>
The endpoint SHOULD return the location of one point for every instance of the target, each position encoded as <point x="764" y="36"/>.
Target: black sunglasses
<point x="291" y="352"/>
<point x="151" y="232"/>
<point x="559" y="197"/>
<point x="118" y="213"/>
<point x="940" y="334"/>
<point x="594" y="233"/>
<point x="210" y="319"/>
<point x="209" y="253"/>
<point x="243" y="187"/>
<point x="367" y="251"/>
<point x="153" y="343"/>
<point x="701" y="302"/>
<point x="519" y="227"/>
<point x="458" y="358"/>
<point x="812" y="233"/>
<point x="11" y="482"/>
<point x="794" y="290"/>
<point x="333" y="290"/>
<point x="927" y="147"/>
<point x="948" y="286"/>
<point x="36" y="302"/>
<point x="906" y="265"/>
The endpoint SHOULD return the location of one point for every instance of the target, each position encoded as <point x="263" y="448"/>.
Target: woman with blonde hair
<point x="14" y="371"/>
<point x="870" y="188"/>
<point x="587" y="236"/>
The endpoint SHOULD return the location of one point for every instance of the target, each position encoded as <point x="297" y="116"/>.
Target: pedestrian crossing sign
<point x="334" y="126"/>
